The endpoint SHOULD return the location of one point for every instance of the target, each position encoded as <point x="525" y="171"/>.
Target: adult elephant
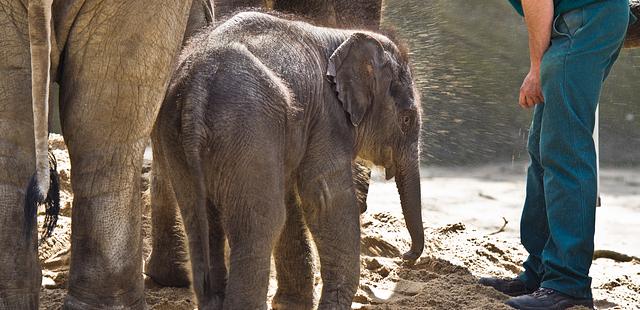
<point x="332" y="13"/>
<point x="633" y="35"/>
<point x="112" y="61"/>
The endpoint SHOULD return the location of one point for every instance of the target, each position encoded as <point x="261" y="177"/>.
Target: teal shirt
<point x="561" y="6"/>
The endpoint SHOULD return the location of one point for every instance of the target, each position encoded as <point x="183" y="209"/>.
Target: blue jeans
<point x="558" y="220"/>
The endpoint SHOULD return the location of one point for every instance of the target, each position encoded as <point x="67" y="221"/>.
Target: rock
<point x="48" y="282"/>
<point x="372" y="263"/>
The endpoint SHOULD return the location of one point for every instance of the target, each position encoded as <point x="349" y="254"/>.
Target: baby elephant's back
<point x="226" y="105"/>
<point x="294" y="51"/>
<point x="242" y="91"/>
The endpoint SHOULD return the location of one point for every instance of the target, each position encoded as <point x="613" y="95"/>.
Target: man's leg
<point x="573" y="70"/>
<point x="534" y="229"/>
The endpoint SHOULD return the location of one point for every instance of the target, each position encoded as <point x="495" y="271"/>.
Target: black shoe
<point x="511" y="287"/>
<point x="545" y="298"/>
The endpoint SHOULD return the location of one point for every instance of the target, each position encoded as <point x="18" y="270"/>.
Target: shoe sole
<point x="560" y="306"/>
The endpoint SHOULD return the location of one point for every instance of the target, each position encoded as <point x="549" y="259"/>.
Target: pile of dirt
<point x="445" y="277"/>
<point x="438" y="280"/>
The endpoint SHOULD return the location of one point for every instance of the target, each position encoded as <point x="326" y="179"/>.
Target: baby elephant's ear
<point x="354" y="68"/>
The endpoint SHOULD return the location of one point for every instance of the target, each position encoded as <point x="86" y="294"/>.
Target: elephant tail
<point x="200" y="226"/>
<point x="43" y="187"/>
<point x="197" y="223"/>
<point x="52" y="201"/>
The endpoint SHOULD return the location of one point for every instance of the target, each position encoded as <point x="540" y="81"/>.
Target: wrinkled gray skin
<point x="633" y="34"/>
<point x="168" y="262"/>
<point x="258" y="134"/>
<point x="357" y="14"/>
<point x="361" y="178"/>
<point x="113" y="63"/>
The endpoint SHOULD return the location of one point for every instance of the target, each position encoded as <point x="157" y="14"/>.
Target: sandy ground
<point x="462" y="210"/>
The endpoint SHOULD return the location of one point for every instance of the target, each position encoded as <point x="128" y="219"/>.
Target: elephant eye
<point x="405" y="123"/>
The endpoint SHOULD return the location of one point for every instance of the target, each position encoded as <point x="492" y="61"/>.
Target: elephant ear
<point x="355" y="68"/>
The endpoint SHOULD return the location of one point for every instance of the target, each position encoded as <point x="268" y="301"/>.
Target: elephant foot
<point x="334" y="306"/>
<point x="214" y="303"/>
<point x="73" y="303"/>
<point x="286" y="302"/>
<point x="8" y="300"/>
<point x="335" y="301"/>
<point x="167" y="272"/>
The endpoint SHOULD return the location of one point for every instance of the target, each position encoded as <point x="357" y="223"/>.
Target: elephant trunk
<point x="407" y="176"/>
<point x="39" y="190"/>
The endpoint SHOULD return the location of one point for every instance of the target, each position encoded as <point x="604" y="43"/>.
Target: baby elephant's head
<point x="373" y="82"/>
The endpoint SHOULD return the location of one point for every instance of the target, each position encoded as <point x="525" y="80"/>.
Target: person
<point x="572" y="46"/>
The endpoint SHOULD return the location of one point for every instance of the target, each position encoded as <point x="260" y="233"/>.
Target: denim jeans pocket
<point x="569" y="23"/>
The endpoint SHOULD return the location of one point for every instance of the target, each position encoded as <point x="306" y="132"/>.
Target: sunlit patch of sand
<point x="461" y="208"/>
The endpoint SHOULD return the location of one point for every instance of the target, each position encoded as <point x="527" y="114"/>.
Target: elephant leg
<point x="189" y="200"/>
<point x="106" y="256"/>
<point x="250" y="260"/>
<point x="168" y="263"/>
<point x="117" y="61"/>
<point x="218" y="270"/>
<point x="20" y="273"/>
<point x="361" y="180"/>
<point x="294" y="261"/>
<point x="253" y="224"/>
<point x="333" y="219"/>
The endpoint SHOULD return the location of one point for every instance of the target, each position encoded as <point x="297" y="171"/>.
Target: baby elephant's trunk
<point x="408" y="183"/>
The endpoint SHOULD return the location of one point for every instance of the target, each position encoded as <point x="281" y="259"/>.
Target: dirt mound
<point x="445" y="277"/>
<point x="438" y="280"/>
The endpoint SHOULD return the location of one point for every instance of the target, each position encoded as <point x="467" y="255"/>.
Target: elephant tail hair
<point x="35" y="197"/>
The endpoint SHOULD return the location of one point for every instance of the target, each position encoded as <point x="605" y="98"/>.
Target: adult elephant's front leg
<point x="116" y="65"/>
<point x="333" y="218"/>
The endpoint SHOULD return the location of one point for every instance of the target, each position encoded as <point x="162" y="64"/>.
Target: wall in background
<point x="470" y="58"/>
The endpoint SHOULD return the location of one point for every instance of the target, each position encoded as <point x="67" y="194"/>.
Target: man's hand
<point x="538" y="15"/>
<point x="531" y="91"/>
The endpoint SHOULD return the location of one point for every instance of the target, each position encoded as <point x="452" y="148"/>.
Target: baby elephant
<point x="261" y="125"/>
